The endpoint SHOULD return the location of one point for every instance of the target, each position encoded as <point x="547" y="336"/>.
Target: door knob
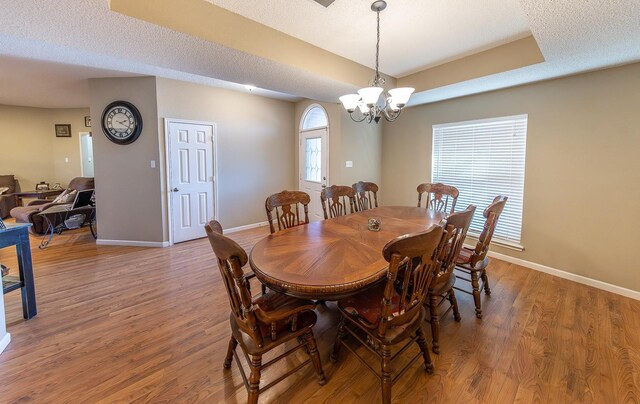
<point x="175" y="190"/>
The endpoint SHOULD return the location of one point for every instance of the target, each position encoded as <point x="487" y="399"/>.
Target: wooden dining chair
<point x="441" y="287"/>
<point x="291" y="209"/>
<point x="366" y="195"/>
<point x="475" y="261"/>
<point x="335" y="200"/>
<point x="392" y="312"/>
<point x="261" y="324"/>
<point x="440" y="197"/>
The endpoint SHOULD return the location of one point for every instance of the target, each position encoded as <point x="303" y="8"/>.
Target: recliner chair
<point x="29" y="213"/>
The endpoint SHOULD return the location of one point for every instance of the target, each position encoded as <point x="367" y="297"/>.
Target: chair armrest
<point x="37" y="202"/>
<point x="46" y="206"/>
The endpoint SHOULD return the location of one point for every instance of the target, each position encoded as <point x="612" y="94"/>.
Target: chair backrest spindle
<point x="231" y="259"/>
<point x="286" y="205"/>
<point x="366" y="195"/>
<point x="491" y="214"/>
<point x="417" y="253"/>
<point x="439" y="196"/>
<point x="455" y="232"/>
<point x="335" y="200"/>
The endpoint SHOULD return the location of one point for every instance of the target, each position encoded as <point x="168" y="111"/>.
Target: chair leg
<point x="315" y="357"/>
<point x="386" y="374"/>
<point x="485" y="282"/>
<point x="254" y="379"/>
<point x="476" y="293"/>
<point x="454" y="304"/>
<point x="422" y="343"/>
<point x="435" y="324"/>
<point x="336" y="345"/>
<point x="232" y="347"/>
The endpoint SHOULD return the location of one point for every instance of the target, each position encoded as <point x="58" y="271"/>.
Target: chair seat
<point x="442" y="285"/>
<point x="367" y="306"/>
<point x="464" y="260"/>
<point x="272" y="301"/>
<point x="305" y="321"/>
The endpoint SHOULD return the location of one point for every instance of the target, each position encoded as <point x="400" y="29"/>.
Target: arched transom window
<point x="315" y="118"/>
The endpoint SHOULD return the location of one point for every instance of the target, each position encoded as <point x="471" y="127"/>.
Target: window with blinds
<point x="483" y="159"/>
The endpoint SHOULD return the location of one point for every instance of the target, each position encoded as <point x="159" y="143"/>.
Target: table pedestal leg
<point x="25" y="268"/>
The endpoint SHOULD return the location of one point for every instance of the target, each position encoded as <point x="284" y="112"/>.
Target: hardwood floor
<point x="125" y="324"/>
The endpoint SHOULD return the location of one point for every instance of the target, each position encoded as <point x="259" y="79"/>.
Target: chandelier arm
<point x="357" y="120"/>
<point x="391" y="116"/>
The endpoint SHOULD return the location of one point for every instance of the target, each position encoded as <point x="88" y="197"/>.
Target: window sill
<point x="500" y="243"/>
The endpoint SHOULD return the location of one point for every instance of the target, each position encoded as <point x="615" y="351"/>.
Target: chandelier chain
<point x="372" y="104"/>
<point x="377" y="80"/>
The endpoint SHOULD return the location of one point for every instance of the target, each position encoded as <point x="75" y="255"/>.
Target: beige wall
<point x="348" y="140"/>
<point x="582" y="183"/>
<point x="255" y="144"/>
<point x="30" y="149"/>
<point x="128" y="196"/>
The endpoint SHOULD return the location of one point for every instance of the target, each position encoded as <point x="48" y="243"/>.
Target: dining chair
<point x="366" y="195"/>
<point x="261" y="324"/>
<point x="475" y="261"/>
<point x="438" y="196"/>
<point x="289" y="208"/>
<point x="335" y="200"/>
<point x="392" y="312"/>
<point x="441" y="287"/>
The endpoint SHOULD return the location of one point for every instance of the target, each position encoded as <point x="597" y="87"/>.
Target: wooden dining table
<point x="334" y="258"/>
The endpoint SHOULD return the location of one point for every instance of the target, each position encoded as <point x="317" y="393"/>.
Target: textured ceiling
<point x="574" y="36"/>
<point x="414" y="33"/>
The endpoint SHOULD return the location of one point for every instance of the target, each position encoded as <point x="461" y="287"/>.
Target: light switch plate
<point x="152" y="163"/>
<point x="349" y="163"/>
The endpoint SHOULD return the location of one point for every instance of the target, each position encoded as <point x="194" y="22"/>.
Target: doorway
<point x="190" y="178"/>
<point x="86" y="154"/>
<point x="313" y="155"/>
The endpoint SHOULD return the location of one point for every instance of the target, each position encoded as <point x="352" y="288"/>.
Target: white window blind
<point x="483" y="159"/>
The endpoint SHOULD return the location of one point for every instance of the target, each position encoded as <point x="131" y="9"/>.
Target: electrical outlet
<point x="152" y="163"/>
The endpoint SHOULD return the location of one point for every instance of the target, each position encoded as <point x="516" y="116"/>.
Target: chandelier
<point x="372" y="103"/>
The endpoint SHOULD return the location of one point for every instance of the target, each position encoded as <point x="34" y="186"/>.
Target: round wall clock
<point x="121" y="122"/>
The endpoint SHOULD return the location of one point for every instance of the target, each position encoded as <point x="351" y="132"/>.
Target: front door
<point x="191" y="179"/>
<point x="313" y="168"/>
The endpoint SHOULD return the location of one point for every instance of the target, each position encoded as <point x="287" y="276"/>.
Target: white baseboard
<point x="568" y="275"/>
<point x="133" y="243"/>
<point x="247" y="227"/>
<point x="5" y="341"/>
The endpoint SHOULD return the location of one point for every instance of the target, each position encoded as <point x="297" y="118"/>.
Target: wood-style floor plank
<point x="126" y="324"/>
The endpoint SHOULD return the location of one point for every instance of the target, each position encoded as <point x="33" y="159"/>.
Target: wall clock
<point x="121" y="122"/>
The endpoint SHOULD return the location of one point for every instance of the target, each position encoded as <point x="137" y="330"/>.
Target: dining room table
<point x="334" y="258"/>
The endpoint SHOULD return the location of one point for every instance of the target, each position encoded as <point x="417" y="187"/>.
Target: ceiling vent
<point x="325" y="3"/>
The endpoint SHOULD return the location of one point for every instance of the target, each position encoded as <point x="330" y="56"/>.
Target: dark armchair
<point x="8" y="199"/>
<point x="28" y="214"/>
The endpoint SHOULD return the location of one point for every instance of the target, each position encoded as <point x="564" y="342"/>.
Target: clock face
<point x="121" y="122"/>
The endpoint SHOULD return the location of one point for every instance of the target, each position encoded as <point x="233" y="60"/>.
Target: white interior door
<point x="191" y="179"/>
<point x="313" y="168"/>
<point x="86" y="151"/>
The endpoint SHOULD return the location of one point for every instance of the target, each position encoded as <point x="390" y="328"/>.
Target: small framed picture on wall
<point x="63" y="130"/>
<point x="87" y="121"/>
